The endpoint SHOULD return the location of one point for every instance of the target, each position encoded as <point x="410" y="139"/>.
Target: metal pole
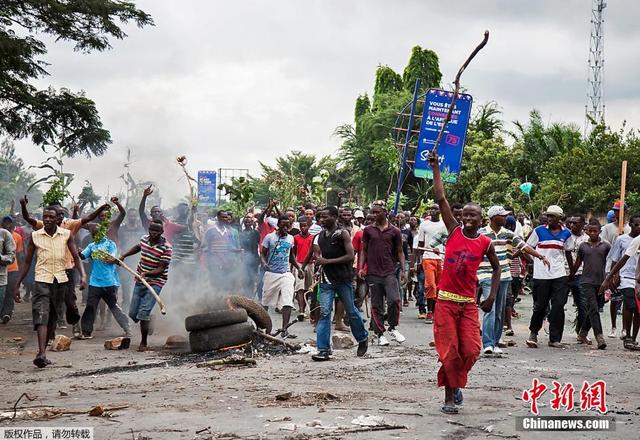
<point x="405" y="150"/>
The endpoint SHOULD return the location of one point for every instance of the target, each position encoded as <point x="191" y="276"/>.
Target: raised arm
<point x="25" y="213"/>
<point x="438" y="186"/>
<point x="121" y="213"/>
<point x="92" y="216"/>
<point x="146" y="221"/>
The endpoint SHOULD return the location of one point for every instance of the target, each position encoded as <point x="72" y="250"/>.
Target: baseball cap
<point x="616" y="206"/>
<point x="358" y="214"/>
<point x="497" y="210"/>
<point x="554" y="210"/>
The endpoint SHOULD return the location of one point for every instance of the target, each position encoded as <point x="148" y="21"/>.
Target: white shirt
<point x="426" y="232"/>
<point x="609" y="232"/>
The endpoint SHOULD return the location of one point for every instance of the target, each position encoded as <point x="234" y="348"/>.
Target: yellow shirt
<point x="73" y="225"/>
<point x="51" y="251"/>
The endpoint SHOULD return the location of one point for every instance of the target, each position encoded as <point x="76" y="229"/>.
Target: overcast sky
<point x="229" y="84"/>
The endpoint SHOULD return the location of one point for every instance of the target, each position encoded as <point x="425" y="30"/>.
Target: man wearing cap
<point x="503" y="241"/>
<point x="549" y="281"/>
<point x="609" y="232"/>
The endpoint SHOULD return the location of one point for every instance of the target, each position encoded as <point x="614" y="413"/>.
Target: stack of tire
<point x="228" y="327"/>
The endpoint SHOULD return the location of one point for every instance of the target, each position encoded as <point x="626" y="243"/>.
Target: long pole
<point x="456" y="90"/>
<point x="623" y="188"/>
<point x="405" y="150"/>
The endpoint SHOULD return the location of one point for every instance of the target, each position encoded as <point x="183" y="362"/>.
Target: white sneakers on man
<point x="383" y="341"/>
<point x="397" y="336"/>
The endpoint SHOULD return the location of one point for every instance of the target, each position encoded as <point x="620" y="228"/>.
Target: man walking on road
<point x="382" y="250"/>
<point x="456" y="328"/>
<point x="431" y="261"/>
<point x="503" y="241"/>
<point x="334" y="253"/>
<point x="549" y="282"/>
<point x="50" y="244"/>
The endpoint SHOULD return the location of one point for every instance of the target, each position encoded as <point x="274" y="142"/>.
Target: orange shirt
<point x="13" y="267"/>
<point x="73" y="225"/>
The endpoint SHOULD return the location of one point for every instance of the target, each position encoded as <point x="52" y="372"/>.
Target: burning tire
<point x="255" y="311"/>
<point x="220" y="337"/>
<point x="217" y="318"/>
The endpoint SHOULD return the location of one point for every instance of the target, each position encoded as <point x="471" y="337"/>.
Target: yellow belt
<point x="450" y="296"/>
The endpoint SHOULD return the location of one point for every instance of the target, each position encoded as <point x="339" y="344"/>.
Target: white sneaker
<point x="488" y="351"/>
<point x="613" y="333"/>
<point x="497" y="350"/>
<point x="397" y="336"/>
<point x="382" y="341"/>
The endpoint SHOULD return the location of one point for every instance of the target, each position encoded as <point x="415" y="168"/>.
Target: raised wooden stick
<point x="456" y="91"/>
<point x="106" y="256"/>
<point x="623" y="188"/>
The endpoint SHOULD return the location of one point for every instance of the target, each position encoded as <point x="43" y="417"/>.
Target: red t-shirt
<point x="461" y="260"/>
<point x="356" y="242"/>
<point x="265" y="229"/>
<point x="302" y="244"/>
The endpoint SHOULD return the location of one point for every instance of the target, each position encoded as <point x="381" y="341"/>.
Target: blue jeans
<point x="492" y="322"/>
<point x="142" y="302"/>
<point x="327" y="296"/>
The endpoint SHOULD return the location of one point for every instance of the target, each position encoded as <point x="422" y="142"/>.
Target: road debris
<point x="227" y="361"/>
<point x="122" y="343"/>
<point x="61" y="343"/>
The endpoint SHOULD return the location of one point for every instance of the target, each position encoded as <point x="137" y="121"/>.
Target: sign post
<point x="207" y="188"/>
<point x="450" y="150"/>
<point x="623" y="189"/>
<point x="405" y="149"/>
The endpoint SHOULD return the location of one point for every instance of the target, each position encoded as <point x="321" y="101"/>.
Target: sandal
<point x="449" y="409"/>
<point x="41" y="361"/>
<point x="631" y="345"/>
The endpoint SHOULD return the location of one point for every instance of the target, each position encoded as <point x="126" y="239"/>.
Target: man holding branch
<point x="456" y="328"/>
<point x="155" y="256"/>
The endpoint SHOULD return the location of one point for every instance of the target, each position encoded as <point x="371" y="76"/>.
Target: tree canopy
<point x="65" y="119"/>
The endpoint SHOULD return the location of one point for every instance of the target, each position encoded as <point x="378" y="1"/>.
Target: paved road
<point x="396" y="382"/>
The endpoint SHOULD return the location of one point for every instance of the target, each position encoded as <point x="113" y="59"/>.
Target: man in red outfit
<point x="456" y="328"/>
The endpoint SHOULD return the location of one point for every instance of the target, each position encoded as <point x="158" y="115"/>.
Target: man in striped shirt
<point x="549" y="282"/>
<point x="503" y="241"/>
<point x="155" y="256"/>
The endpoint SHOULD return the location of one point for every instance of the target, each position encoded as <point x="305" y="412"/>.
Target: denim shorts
<point x="142" y="302"/>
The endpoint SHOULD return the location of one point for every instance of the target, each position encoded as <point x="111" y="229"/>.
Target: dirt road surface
<point x="168" y="398"/>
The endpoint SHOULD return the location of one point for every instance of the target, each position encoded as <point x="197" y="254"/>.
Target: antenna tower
<point x="595" y="81"/>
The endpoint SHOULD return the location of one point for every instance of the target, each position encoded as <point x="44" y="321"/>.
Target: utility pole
<point x="594" y="110"/>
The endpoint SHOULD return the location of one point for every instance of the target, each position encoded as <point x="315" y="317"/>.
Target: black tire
<point x="217" y="318"/>
<point x="220" y="337"/>
<point x="255" y="311"/>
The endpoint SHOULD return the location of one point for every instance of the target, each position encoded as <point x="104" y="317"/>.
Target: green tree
<point x="15" y="179"/>
<point x="66" y="119"/>
<point x="424" y="65"/>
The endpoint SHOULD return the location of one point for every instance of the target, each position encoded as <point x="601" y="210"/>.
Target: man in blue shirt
<point x="103" y="284"/>
<point x="278" y="281"/>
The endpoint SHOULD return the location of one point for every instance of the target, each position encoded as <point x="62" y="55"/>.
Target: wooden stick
<point x="623" y="188"/>
<point x="456" y="91"/>
<point x="229" y="361"/>
<point x="276" y="340"/>
<point x="163" y="309"/>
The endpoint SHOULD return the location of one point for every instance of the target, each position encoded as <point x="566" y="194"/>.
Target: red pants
<point x="432" y="273"/>
<point x="456" y="331"/>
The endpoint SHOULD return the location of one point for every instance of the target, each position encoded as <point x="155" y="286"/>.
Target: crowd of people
<point x="342" y="268"/>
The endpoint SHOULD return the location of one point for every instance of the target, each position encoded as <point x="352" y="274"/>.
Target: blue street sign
<point x="451" y="146"/>
<point x="207" y="188"/>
